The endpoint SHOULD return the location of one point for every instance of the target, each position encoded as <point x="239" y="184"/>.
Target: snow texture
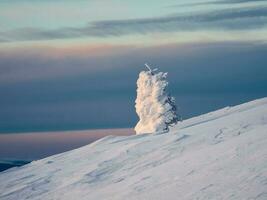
<point x="219" y="155"/>
<point x="154" y="106"/>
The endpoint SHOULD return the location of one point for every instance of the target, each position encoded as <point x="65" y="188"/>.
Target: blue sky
<point x="73" y="64"/>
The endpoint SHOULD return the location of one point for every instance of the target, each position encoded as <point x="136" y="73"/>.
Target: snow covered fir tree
<point x="154" y="106"/>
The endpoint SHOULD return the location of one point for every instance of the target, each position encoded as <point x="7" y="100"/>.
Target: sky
<point x="73" y="65"/>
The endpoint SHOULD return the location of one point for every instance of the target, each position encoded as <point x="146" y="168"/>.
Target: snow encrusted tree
<point x="154" y="106"/>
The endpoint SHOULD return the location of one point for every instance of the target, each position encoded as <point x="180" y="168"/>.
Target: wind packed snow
<point x="219" y="155"/>
<point x="154" y="106"/>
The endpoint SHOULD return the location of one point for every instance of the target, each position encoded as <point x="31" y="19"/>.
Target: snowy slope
<point x="219" y="155"/>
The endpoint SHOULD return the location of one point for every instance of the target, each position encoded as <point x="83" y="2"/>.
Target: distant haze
<point x="30" y="146"/>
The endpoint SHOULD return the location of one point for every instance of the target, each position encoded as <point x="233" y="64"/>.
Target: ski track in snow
<point x="219" y="155"/>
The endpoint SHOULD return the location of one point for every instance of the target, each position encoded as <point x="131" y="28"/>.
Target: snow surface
<point x="154" y="106"/>
<point x="219" y="155"/>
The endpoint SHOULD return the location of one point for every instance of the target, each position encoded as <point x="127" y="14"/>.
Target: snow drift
<point x="219" y="155"/>
<point x="154" y="106"/>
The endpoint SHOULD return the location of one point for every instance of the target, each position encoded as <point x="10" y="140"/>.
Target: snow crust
<point x="219" y="155"/>
<point x="154" y="106"/>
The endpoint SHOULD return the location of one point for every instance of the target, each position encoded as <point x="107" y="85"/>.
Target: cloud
<point x="218" y="2"/>
<point x="41" y="63"/>
<point x="40" y="92"/>
<point x="236" y="1"/>
<point x="226" y="19"/>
